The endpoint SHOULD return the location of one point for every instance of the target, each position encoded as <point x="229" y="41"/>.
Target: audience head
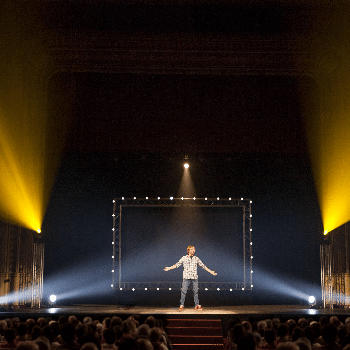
<point x="68" y="333"/>
<point x="129" y="344"/>
<point x="87" y="320"/>
<point x="282" y="330"/>
<point x="27" y="345"/>
<point x="155" y="335"/>
<point x="144" y="344"/>
<point x="10" y="335"/>
<point x="110" y="336"/>
<point x="329" y="334"/>
<point x="270" y="336"/>
<point x="304" y="344"/>
<point x="247" y="342"/>
<point x="143" y="331"/>
<point x="43" y="343"/>
<point x="288" y="346"/>
<point x="89" y="346"/>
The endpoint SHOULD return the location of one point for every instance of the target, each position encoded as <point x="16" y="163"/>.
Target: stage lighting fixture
<point x="146" y="198"/>
<point x="112" y="270"/>
<point x="113" y="215"/>
<point x="145" y="288"/>
<point x="112" y="256"/>
<point x="218" y="198"/>
<point x="230" y="289"/>
<point x="206" y="288"/>
<point x="206" y="198"/>
<point x="122" y="198"/>
<point x="241" y="199"/>
<point x="53" y="298"/>
<point x="133" y="289"/>
<point x="120" y="288"/>
<point x="325" y="233"/>
<point x="182" y="198"/>
<point x="134" y="198"/>
<point x="171" y="198"/>
<point x="157" y="288"/>
<point x="112" y="285"/>
<point x="312" y="300"/>
<point x="251" y="243"/>
<point x="186" y="165"/>
<point x="38" y="230"/>
<point x="218" y="289"/>
<point x="112" y="242"/>
<point x="229" y="199"/>
<point x="158" y="198"/>
<point x="169" y="288"/>
<point x="194" y="198"/>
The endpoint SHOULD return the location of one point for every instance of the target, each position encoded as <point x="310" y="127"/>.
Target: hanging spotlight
<point x="186" y="165"/>
<point x="53" y="298"/>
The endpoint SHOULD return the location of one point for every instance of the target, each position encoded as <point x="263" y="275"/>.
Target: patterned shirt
<point x="190" y="266"/>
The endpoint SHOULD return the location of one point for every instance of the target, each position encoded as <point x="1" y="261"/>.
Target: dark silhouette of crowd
<point x="327" y="333"/>
<point x="70" y="333"/>
<point x="114" y="333"/>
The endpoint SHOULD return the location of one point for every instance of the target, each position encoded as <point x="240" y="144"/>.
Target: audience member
<point x="27" y="345"/>
<point x="11" y="339"/>
<point x="304" y="343"/>
<point x="110" y="338"/>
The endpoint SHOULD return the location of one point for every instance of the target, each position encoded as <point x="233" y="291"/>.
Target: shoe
<point x="181" y="308"/>
<point x="198" y="307"/>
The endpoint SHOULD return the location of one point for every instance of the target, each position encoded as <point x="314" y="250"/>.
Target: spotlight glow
<point x="312" y="299"/>
<point x="186" y="165"/>
<point x="329" y="144"/>
<point x="53" y="298"/>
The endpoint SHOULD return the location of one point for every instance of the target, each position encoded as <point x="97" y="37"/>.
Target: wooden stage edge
<point x="249" y="311"/>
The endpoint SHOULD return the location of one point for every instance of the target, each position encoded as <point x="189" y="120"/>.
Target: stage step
<point x="177" y="322"/>
<point x="198" y="347"/>
<point x="195" y="334"/>
<point x="212" y="331"/>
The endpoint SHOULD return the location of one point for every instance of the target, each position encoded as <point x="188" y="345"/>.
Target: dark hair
<point x="68" y="332"/>
<point x="329" y="334"/>
<point x="247" y="342"/>
<point x="10" y="334"/>
<point x="270" y="336"/>
<point x="22" y="328"/>
<point x="282" y="330"/>
<point x="110" y="336"/>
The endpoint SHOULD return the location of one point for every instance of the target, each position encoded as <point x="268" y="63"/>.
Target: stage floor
<point x="251" y="311"/>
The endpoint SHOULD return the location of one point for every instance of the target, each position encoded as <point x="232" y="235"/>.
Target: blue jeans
<point x="185" y="284"/>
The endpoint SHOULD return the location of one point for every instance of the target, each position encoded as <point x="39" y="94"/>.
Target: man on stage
<point x="190" y="262"/>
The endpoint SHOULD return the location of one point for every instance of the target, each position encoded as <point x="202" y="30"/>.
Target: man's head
<point x="191" y="250"/>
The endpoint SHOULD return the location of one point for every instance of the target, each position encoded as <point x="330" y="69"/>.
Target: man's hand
<point x="167" y="269"/>
<point x="213" y="273"/>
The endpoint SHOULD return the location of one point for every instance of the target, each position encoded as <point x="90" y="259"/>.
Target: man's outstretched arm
<point x="210" y="271"/>
<point x="200" y="263"/>
<point x="170" y="267"/>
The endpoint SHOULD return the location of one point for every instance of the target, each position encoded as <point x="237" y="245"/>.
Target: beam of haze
<point x="22" y="174"/>
<point x="329" y="147"/>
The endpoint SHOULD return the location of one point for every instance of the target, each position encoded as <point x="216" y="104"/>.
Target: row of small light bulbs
<point x="194" y="198"/>
<point x="218" y="289"/>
